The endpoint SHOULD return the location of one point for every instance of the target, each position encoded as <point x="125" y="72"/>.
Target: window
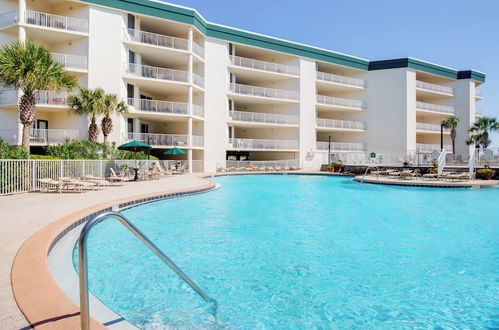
<point x="131" y="57"/>
<point x="130" y="125"/>
<point x="131" y="21"/>
<point x="144" y="128"/>
<point x="130" y="91"/>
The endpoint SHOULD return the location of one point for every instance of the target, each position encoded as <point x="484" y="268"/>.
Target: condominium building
<point x="224" y="94"/>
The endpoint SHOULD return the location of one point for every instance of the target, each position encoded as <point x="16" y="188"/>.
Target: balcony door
<point x="42" y="124"/>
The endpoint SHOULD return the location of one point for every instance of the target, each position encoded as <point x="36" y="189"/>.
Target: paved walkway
<point x="24" y="214"/>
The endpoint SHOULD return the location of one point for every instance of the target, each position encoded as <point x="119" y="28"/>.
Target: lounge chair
<point x="459" y="176"/>
<point x="48" y="184"/>
<point x="407" y="174"/>
<point x="278" y="168"/>
<point x="77" y="185"/>
<point x="114" y="177"/>
<point x="286" y="168"/>
<point x="98" y="181"/>
<point x="294" y="168"/>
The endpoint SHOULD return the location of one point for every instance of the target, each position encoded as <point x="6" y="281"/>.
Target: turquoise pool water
<point x="294" y="252"/>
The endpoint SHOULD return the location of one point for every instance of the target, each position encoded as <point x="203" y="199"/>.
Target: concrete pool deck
<point x="25" y="214"/>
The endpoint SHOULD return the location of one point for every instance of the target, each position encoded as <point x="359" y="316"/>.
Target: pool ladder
<point x="83" y="267"/>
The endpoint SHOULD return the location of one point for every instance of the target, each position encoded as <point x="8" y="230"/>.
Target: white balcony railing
<point x="159" y="40"/>
<point x="342" y="146"/>
<point x="51" y="98"/>
<point x="153" y="72"/>
<point x="197" y="110"/>
<point x="425" y="147"/>
<point x="340" y="124"/>
<point x="434" y="107"/>
<point x="340" y="102"/>
<point x="264" y="66"/>
<point x="153" y="139"/>
<point x="478" y="95"/>
<point x="355" y="82"/>
<point x="197" y="49"/>
<point x="241" y="164"/>
<point x="8" y="19"/>
<point x="261" y="144"/>
<point x="71" y="61"/>
<point x="197" y="80"/>
<point x="65" y="23"/>
<point x="430" y="127"/>
<point x="48" y="136"/>
<point x="265" y="118"/>
<point x="144" y="105"/>
<point x="8" y="97"/>
<point x="478" y="111"/>
<point x="197" y="141"/>
<point x="264" y="92"/>
<point x="434" y="87"/>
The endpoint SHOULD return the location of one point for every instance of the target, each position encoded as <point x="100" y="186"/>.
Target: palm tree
<point x="475" y="139"/>
<point x="482" y="127"/>
<point x="111" y="104"/>
<point x="451" y="123"/>
<point x="89" y="102"/>
<point x="31" y="68"/>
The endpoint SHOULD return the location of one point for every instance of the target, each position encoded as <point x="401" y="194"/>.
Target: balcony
<point x="47" y="98"/>
<point x="63" y="23"/>
<point x="434" y="88"/>
<point x="164" y="107"/>
<point x="54" y="136"/>
<point x="71" y="62"/>
<point x="144" y="105"/>
<point x="337" y="79"/>
<point x="341" y="103"/>
<point x="347" y="125"/>
<point x="198" y="50"/>
<point x="430" y="107"/>
<point x="263" y="118"/>
<point x="478" y="112"/>
<point x="430" y="128"/>
<point x="340" y="146"/>
<point x="166" y="140"/>
<point x="264" y="66"/>
<point x="158" y="40"/>
<point x="264" y="92"/>
<point x="9" y="19"/>
<point x="152" y="72"/>
<point x="425" y="147"/>
<point x="9" y="97"/>
<point x="197" y="80"/>
<point x="261" y="144"/>
<point x="478" y="95"/>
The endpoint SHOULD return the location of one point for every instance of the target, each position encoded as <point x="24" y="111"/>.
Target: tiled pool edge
<point x="39" y="298"/>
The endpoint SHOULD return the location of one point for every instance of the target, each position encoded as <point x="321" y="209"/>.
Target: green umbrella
<point x="135" y="146"/>
<point x="175" y="151"/>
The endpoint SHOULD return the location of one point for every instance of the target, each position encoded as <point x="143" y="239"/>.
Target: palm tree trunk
<point x="93" y="131"/>
<point x="453" y="138"/>
<point x="27" y="115"/>
<point x="106" y="126"/>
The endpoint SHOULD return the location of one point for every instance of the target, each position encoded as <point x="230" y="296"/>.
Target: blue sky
<point x="461" y="34"/>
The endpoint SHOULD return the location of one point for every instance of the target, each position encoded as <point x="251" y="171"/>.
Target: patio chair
<point x="114" y="177"/>
<point x="47" y="184"/>
<point x="100" y="182"/>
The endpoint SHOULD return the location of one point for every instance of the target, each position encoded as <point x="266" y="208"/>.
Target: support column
<point x="464" y="103"/>
<point x="190" y="100"/>
<point x="22" y="14"/>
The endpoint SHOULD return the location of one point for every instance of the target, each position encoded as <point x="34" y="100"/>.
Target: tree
<point x="111" y="104"/>
<point x="481" y="129"/>
<point x="451" y="123"/>
<point x="475" y="139"/>
<point x="89" y="102"/>
<point x="31" y="68"/>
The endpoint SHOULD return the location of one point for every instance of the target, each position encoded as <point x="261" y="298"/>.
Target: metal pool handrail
<point x="83" y="269"/>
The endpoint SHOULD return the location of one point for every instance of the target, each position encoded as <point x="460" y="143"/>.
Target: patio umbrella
<point x="175" y="151"/>
<point x="135" y="146"/>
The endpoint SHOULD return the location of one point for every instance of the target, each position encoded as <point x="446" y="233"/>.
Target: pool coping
<point x="427" y="184"/>
<point x="38" y="296"/>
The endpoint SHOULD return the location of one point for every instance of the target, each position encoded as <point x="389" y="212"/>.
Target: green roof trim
<point x="191" y="16"/>
<point x="426" y="67"/>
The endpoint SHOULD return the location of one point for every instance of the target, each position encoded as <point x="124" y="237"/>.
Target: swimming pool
<point x="289" y="251"/>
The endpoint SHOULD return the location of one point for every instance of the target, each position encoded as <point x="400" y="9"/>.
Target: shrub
<point x="12" y="152"/>
<point x="42" y="157"/>
<point x="92" y="150"/>
<point x="486" y="173"/>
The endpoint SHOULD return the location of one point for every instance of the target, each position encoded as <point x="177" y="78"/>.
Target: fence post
<point x="33" y="175"/>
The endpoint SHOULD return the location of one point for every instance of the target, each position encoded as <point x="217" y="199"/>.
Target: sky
<point x="461" y="34"/>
